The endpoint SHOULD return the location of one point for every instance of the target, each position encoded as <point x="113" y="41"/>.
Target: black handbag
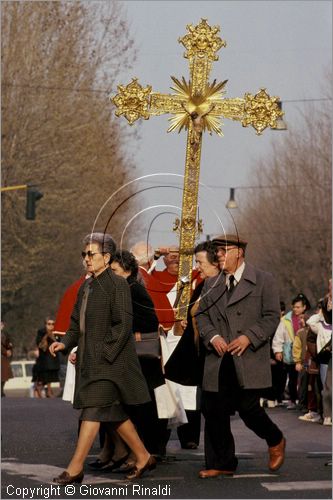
<point x="148" y="345"/>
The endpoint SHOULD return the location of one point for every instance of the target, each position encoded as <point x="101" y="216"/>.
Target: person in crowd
<point x="283" y="343"/>
<point x="108" y="373"/>
<point x="327" y="395"/>
<point x="67" y="303"/>
<point x="187" y="433"/>
<point x="282" y="308"/>
<point x="279" y="376"/>
<point x="153" y="430"/>
<point x="37" y="389"/>
<point x="144" y="254"/>
<point x="6" y="355"/>
<point x="321" y="325"/>
<point x="273" y="396"/>
<point x="169" y="275"/>
<point x="237" y="315"/>
<point x="47" y="366"/>
<point x="307" y="368"/>
<point x="185" y="365"/>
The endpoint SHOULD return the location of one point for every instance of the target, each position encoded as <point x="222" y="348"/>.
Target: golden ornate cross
<point x="197" y="106"/>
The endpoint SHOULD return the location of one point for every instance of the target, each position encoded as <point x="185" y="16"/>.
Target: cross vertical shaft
<point x="199" y="71"/>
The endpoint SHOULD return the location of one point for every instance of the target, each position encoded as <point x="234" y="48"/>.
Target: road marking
<point x="242" y="476"/>
<point x="43" y="473"/>
<point x="37" y="472"/>
<point x="298" y="486"/>
<point x="319" y="454"/>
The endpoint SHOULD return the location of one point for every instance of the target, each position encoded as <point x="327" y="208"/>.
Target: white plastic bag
<point x="168" y="400"/>
<point x="69" y="387"/>
<point x="169" y="404"/>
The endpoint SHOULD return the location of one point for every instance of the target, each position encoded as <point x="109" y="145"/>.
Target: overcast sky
<point x="284" y="46"/>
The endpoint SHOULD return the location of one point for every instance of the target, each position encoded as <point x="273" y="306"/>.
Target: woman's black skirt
<point x="113" y="413"/>
<point x="47" y="376"/>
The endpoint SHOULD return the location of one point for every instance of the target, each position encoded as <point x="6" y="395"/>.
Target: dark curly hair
<point x="127" y="261"/>
<point x="210" y="248"/>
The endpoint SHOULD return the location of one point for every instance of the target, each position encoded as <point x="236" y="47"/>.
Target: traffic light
<point x="33" y="195"/>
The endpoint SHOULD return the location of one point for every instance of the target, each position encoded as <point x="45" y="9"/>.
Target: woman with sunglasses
<point x="47" y="367"/>
<point x="108" y="374"/>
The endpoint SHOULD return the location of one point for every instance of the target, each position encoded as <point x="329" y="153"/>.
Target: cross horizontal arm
<point x="259" y="110"/>
<point x="165" y="103"/>
<point x="232" y="109"/>
<point x="135" y="101"/>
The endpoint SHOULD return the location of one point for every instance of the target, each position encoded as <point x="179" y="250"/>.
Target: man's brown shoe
<point x="206" y="473"/>
<point x="276" y="455"/>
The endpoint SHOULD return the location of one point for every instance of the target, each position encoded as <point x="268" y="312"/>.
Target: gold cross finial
<point x="202" y="41"/>
<point x="133" y="101"/>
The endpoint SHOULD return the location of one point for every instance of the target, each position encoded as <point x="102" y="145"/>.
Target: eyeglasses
<point x="50" y="323"/>
<point x="90" y="254"/>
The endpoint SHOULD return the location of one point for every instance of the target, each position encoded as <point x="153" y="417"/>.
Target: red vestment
<point x="166" y="280"/>
<point x="66" y="307"/>
<point x="158" y="294"/>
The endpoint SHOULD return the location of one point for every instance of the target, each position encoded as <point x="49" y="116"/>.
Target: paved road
<point x="38" y="437"/>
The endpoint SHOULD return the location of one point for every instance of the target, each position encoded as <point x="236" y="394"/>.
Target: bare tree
<point x="288" y="217"/>
<point x="60" y="61"/>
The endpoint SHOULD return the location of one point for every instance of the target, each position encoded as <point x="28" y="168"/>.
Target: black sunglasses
<point x="90" y="254"/>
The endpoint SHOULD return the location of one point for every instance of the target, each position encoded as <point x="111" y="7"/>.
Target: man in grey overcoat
<point x="238" y="313"/>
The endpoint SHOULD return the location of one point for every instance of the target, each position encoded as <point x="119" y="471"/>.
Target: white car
<point x="21" y="384"/>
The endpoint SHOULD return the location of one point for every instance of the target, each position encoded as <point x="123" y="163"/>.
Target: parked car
<point x="21" y="384"/>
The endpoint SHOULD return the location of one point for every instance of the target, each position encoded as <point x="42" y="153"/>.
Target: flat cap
<point x="230" y="239"/>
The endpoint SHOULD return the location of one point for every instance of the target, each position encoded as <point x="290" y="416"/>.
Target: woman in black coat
<point x="47" y="366"/>
<point x="108" y="374"/>
<point x="152" y="430"/>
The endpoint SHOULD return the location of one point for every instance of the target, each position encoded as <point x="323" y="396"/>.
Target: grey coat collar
<point x="245" y="286"/>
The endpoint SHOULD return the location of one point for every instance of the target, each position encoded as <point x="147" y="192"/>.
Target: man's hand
<point x="278" y="356"/>
<point x="55" y="347"/>
<point x="179" y="327"/>
<point x="219" y="345"/>
<point x="298" y="367"/>
<point x="183" y="323"/>
<point x="239" y="345"/>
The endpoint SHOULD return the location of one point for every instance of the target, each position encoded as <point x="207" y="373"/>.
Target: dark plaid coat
<point x="107" y="367"/>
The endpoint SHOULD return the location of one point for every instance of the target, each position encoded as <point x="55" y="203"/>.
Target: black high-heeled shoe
<point x="98" y="464"/>
<point x="65" y="478"/>
<point x="126" y="467"/>
<point x="137" y="473"/>
<point x="191" y="445"/>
